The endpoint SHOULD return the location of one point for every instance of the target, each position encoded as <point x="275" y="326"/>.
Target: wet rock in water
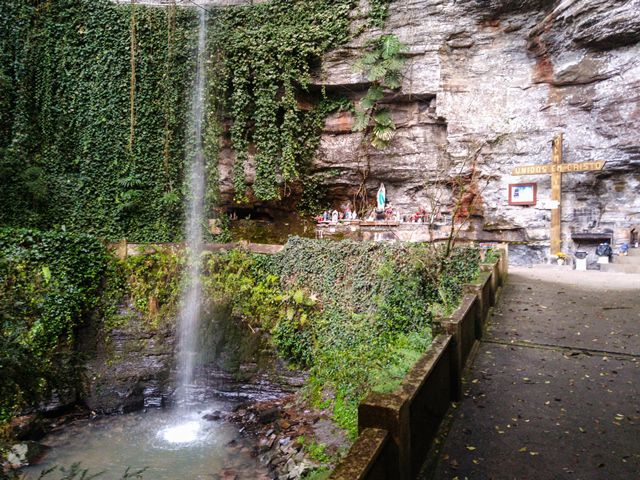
<point x="27" y="427"/>
<point x="228" y="474"/>
<point x="267" y="457"/>
<point x="264" y="444"/>
<point x="263" y="476"/>
<point x="213" y="416"/>
<point x="23" y="454"/>
<point x="241" y="408"/>
<point x="285" y="441"/>
<point x="60" y="402"/>
<point x="269" y="415"/>
<point x="284" y="424"/>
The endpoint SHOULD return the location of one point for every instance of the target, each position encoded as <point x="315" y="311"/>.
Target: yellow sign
<point x="558" y="168"/>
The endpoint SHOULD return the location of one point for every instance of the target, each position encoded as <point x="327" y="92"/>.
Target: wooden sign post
<point x="556" y="196"/>
<point x="556" y="168"/>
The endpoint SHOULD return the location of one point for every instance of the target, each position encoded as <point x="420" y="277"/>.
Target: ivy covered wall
<point x="68" y="152"/>
<point x="94" y="99"/>
<point x="264" y="58"/>
<point x="264" y="55"/>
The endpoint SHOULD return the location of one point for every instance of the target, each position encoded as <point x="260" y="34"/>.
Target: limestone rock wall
<point x="487" y="85"/>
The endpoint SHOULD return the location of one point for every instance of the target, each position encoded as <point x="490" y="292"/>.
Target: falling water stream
<point x="175" y="443"/>
<point x="191" y="300"/>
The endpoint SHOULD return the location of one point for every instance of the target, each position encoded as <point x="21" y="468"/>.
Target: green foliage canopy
<point x="49" y="282"/>
<point x="383" y="65"/>
<point x="72" y="153"/>
<point x="356" y="314"/>
<point x="64" y="117"/>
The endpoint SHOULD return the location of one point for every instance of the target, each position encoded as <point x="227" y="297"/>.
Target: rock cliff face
<point x="487" y="85"/>
<point x="132" y="365"/>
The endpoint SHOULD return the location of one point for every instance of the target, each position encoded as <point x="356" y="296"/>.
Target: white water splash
<point x="185" y="433"/>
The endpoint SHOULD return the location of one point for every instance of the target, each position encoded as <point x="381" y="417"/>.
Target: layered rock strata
<point x="487" y="85"/>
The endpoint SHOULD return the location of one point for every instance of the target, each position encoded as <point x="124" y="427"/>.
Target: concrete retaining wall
<point x="396" y="430"/>
<point x="124" y="249"/>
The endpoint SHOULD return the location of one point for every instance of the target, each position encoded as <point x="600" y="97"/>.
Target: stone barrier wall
<point x="124" y="249"/>
<point x="397" y="429"/>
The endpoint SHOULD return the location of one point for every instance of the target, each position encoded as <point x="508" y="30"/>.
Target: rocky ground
<point x="553" y="392"/>
<point x="291" y="438"/>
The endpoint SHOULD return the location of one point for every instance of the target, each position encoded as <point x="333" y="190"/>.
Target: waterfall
<point x="191" y="297"/>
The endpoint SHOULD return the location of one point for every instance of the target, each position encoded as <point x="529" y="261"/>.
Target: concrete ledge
<point x="465" y="326"/>
<point x="481" y="288"/>
<point x="123" y="250"/>
<point x="414" y="411"/>
<point x="369" y="456"/>
<point x="494" y="270"/>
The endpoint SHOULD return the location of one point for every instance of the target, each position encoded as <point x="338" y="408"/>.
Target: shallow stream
<point x="170" y="445"/>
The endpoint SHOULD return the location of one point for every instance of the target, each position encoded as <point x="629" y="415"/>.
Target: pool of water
<point x="171" y="445"/>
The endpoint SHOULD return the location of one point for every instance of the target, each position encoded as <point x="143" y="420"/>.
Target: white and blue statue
<point x="381" y="197"/>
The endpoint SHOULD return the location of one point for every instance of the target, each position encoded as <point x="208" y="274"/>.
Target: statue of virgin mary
<point x="381" y="197"/>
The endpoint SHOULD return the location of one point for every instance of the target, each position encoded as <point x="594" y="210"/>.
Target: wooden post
<point x="556" y="195"/>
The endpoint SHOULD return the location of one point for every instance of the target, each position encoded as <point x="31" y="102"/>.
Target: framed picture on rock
<point x="522" y="193"/>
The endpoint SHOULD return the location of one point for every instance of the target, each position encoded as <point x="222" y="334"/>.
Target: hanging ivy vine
<point x="378" y="13"/>
<point x="268" y="51"/>
<point x="94" y="98"/>
<point x="69" y="105"/>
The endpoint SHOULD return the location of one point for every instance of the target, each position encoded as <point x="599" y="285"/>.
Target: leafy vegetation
<point x="379" y="11"/>
<point x="71" y="153"/>
<point x="383" y="65"/>
<point x="146" y="287"/>
<point x="357" y="315"/>
<point x="491" y="255"/>
<point x="76" y="472"/>
<point x="49" y="282"/>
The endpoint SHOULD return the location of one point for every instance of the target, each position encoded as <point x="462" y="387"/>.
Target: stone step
<point x="627" y="259"/>
<point x="620" y="268"/>
<point x="634" y="252"/>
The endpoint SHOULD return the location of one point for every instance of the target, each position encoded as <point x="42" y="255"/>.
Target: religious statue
<point x="381" y="200"/>
<point x="381" y="197"/>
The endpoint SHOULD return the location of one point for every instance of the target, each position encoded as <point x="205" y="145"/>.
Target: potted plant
<point x="561" y="258"/>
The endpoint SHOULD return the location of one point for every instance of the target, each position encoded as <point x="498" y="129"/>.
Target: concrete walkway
<point x="554" y="392"/>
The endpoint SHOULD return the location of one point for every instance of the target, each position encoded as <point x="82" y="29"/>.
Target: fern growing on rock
<point x="383" y="65"/>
